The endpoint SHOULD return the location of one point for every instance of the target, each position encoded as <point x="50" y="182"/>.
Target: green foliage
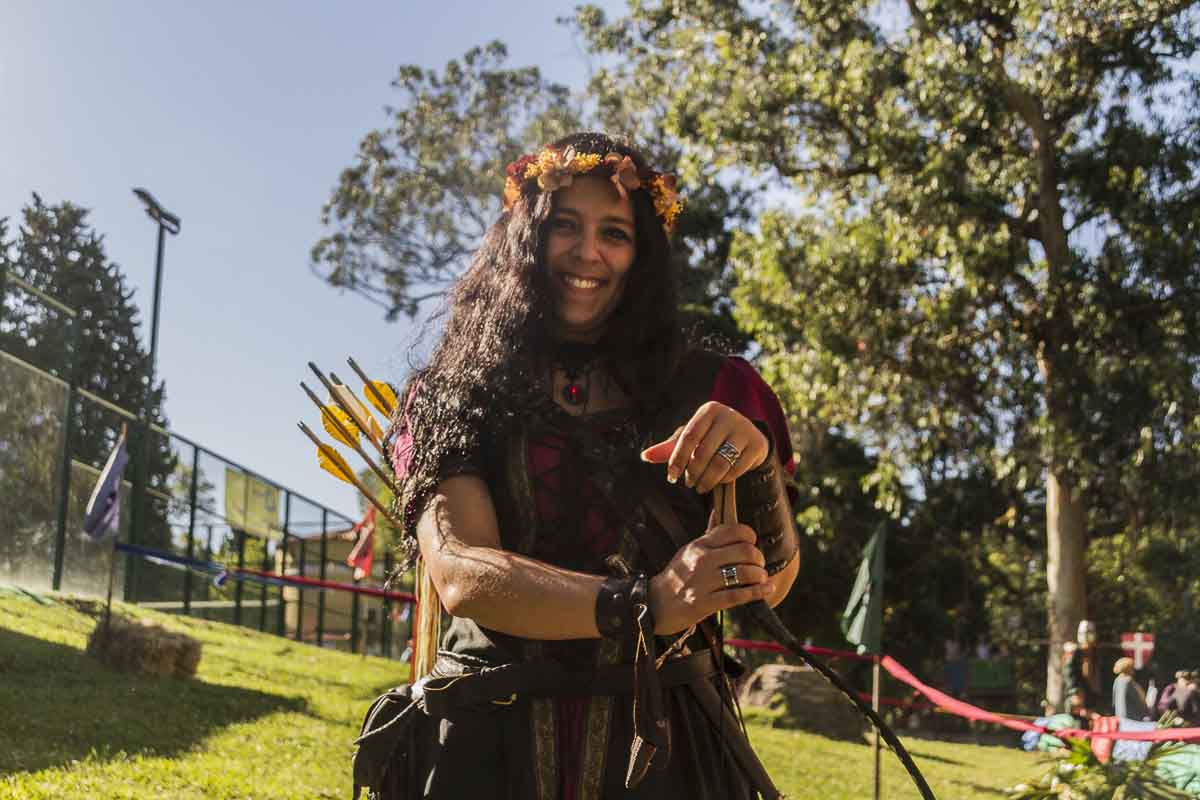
<point x="1078" y="775"/>
<point x="980" y="255"/>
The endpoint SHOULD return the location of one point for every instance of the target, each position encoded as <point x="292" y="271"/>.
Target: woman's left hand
<point x="692" y="449"/>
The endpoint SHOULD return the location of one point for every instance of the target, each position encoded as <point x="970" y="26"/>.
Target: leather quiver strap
<point x="651" y="729"/>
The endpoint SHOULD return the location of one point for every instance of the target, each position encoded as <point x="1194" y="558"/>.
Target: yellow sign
<point x="251" y="505"/>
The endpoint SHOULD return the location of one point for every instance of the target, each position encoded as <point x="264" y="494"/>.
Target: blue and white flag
<point x="103" y="514"/>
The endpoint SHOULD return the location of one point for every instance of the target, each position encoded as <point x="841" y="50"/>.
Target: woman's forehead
<point x="595" y="197"/>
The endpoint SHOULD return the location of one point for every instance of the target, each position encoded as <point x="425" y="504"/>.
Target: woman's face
<point x="589" y="250"/>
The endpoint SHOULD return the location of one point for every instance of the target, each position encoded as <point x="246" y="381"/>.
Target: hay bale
<point x="799" y="697"/>
<point x="142" y="647"/>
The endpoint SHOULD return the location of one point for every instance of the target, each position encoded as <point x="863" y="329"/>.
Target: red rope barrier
<point x="956" y="706"/>
<point x="317" y="583"/>
<point x="960" y="708"/>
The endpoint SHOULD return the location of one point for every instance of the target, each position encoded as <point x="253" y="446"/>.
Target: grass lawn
<point x="269" y="718"/>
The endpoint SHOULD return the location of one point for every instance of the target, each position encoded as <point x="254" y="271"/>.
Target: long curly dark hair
<point x="490" y="362"/>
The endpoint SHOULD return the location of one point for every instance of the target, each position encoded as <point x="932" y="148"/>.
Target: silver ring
<point x="729" y="575"/>
<point x="729" y="453"/>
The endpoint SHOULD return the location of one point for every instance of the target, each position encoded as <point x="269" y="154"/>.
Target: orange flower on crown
<point x="667" y="202"/>
<point x="552" y="169"/>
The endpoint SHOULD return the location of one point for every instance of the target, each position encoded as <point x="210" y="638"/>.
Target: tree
<point x="56" y="251"/>
<point x="406" y="216"/>
<point x="422" y="192"/>
<point x="983" y="259"/>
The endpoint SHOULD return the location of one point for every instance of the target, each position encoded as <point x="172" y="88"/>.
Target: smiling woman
<point x="539" y="457"/>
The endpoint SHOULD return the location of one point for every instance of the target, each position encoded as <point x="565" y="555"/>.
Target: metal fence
<point x="44" y="489"/>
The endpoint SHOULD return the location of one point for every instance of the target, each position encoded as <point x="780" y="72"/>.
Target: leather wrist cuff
<point x="763" y="504"/>
<point x="617" y="604"/>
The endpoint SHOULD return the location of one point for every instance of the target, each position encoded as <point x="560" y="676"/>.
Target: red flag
<point x="1139" y="646"/>
<point x="363" y="555"/>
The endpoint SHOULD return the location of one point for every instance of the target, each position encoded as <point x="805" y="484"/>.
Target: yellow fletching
<point x="383" y="391"/>
<point x="364" y="420"/>
<point x="346" y="423"/>
<point x="332" y="462"/>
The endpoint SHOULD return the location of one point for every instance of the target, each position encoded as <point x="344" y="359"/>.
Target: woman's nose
<point x="588" y="248"/>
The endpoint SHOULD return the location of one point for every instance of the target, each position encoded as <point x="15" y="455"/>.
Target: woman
<point x="557" y="460"/>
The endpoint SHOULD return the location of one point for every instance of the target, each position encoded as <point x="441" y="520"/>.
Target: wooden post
<point x="875" y="708"/>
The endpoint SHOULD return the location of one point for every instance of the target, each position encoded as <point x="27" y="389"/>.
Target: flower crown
<point x="555" y="169"/>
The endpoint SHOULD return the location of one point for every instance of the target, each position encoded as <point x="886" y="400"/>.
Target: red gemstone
<point x="574" y="393"/>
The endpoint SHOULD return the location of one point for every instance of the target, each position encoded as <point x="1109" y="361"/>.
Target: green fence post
<point x="139" y="432"/>
<point x="266" y="567"/>
<point x="303" y="543"/>
<point x="237" y="590"/>
<point x="283" y="554"/>
<point x="64" y="475"/>
<point x="208" y="557"/>
<point x="321" y="596"/>
<point x="191" y="540"/>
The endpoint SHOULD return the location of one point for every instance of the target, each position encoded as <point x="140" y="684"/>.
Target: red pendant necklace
<point x="577" y="361"/>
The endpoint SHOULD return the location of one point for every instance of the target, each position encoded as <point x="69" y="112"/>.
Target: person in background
<point x="1129" y="699"/>
<point x="1165" y="698"/>
<point x="1081" y="673"/>
<point x="1186" y="701"/>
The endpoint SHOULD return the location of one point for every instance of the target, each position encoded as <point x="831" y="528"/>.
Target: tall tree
<point x="984" y="258"/>
<point x="56" y="251"/>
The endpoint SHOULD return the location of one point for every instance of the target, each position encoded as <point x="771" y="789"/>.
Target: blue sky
<point x="238" y="117"/>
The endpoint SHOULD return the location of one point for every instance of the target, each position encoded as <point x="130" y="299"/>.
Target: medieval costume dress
<point x="517" y="719"/>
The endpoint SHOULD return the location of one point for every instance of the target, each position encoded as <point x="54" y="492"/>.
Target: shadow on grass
<point x="60" y="705"/>
<point x="932" y="757"/>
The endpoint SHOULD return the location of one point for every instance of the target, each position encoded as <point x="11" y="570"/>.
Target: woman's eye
<point x="562" y="224"/>
<point x="617" y="234"/>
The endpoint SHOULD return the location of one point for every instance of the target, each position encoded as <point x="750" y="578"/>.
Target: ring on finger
<point x="729" y="575"/>
<point x="729" y="452"/>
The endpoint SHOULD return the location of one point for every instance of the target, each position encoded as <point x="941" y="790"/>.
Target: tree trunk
<point x="1066" y="528"/>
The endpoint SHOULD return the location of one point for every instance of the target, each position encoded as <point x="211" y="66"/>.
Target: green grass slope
<point x="268" y="718"/>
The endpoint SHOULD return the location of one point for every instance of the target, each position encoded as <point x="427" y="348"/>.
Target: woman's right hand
<point x="691" y="586"/>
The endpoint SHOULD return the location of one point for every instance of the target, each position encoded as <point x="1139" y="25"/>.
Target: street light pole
<point x="167" y="223"/>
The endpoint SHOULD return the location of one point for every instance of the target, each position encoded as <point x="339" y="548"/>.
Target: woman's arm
<point x="460" y="542"/>
<point x="459" y="538"/>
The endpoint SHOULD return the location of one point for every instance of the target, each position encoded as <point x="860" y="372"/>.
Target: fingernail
<point x="672" y="477"/>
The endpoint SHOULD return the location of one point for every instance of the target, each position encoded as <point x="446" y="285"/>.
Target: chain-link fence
<point x="199" y="506"/>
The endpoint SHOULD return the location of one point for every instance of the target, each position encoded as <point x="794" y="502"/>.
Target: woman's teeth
<point x="580" y="283"/>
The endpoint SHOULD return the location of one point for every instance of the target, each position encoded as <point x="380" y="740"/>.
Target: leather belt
<point x="451" y="686"/>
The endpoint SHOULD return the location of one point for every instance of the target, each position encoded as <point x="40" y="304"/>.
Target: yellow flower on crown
<point x="553" y="169"/>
